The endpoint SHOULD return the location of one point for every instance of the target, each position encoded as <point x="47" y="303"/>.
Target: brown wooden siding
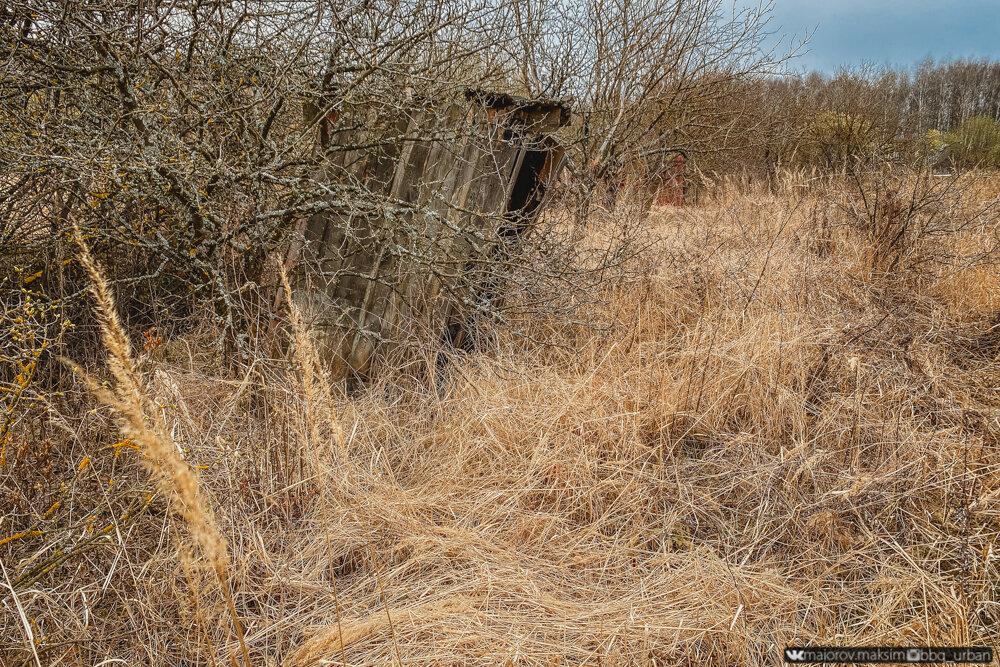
<point x="453" y="188"/>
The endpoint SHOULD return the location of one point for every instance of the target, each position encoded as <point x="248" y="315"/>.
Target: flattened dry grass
<point x="763" y="449"/>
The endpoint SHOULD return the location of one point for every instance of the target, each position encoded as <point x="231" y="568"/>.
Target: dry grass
<point x="765" y="449"/>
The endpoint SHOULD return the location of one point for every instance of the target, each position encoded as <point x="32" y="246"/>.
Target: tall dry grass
<point x="765" y="448"/>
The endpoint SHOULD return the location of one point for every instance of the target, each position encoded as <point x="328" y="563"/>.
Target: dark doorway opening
<point x="522" y="205"/>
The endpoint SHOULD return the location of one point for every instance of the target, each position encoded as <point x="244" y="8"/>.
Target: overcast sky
<point x="897" y="32"/>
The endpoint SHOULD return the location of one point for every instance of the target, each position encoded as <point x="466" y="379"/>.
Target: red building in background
<point x="671" y="185"/>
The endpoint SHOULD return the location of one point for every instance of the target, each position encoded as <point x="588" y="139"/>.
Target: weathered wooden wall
<point x="442" y="192"/>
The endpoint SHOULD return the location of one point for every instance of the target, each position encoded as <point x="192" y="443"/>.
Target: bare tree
<point x="188" y="142"/>
<point x="172" y="134"/>
<point x="648" y="77"/>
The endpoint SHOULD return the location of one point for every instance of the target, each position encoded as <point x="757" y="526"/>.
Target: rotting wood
<point x="448" y="191"/>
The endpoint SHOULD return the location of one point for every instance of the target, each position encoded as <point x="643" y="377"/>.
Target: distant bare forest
<point x="945" y="111"/>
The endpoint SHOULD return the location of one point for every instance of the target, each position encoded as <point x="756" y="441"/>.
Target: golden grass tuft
<point x="332" y="640"/>
<point x="142" y="425"/>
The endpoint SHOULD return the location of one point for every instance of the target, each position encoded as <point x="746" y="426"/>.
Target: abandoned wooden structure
<point x="434" y="201"/>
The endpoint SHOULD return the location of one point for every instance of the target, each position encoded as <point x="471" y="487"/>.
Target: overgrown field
<point x="776" y="436"/>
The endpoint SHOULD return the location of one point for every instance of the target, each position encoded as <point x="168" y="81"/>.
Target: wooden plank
<point x="378" y="301"/>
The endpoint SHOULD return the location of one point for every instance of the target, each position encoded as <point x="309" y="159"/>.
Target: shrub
<point x="833" y="139"/>
<point x="975" y="143"/>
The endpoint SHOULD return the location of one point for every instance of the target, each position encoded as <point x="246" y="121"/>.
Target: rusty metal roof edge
<point x="497" y="100"/>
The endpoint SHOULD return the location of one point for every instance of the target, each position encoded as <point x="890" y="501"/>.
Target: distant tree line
<point x="945" y="113"/>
